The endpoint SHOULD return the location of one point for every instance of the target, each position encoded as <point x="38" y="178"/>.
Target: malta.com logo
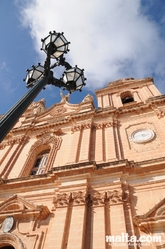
<point x="124" y="239"/>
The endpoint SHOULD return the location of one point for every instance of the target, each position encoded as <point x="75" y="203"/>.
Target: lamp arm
<point x="11" y="117"/>
<point x="62" y="62"/>
<point x="57" y="82"/>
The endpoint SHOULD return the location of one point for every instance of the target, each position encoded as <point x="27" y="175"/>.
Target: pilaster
<point x="77" y="224"/>
<point x="98" y="221"/>
<point x="74" y="146"/>
<point x="85" y="143"/>
<point x="110" y="142"/>
<point x="59" y="228"/>
<point x="99" y="143"/>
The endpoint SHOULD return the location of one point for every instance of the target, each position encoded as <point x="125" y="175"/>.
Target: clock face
<point x="142" y="136"/>
<point x="7" y="224"/>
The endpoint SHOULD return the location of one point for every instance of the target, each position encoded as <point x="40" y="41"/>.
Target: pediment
<point x="64" y="109"/>
<point x="35" y="108"/>
<point x="19" y="206"/>
<point x="153" y="219"/>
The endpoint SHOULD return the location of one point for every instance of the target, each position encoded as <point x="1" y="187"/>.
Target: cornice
<point x="82" y="116"/>
<point x="91" y="167"/>
<point x="104" y="112"/>
<point x="152" y="161"/>
<point x="139" y="107"/>
<point x="156" y="99"/>
<point x="67" y="118"/>
<point x="125" y="83"/>
<point x="13" y="140"/>
<point x="148" y="167"/>
<point x="53" y="122"/>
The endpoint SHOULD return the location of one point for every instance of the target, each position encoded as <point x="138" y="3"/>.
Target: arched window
<point x="41" y="156"/>
<point x="40" y="163"/>
<point x="126" y="97"/>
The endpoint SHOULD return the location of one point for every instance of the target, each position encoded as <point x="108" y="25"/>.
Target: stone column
<point x="98" y="221"/>
<point x="99" y="148"/>
<point x="147" y="91"/>
<point x="78" y="219"/>
<point x="76" y="136"/>
<point x="7" y="148"/>
<point x="56" y="142"/>
<point x="85" y="143"/>
<point x="110" y="142"/>
<point x="117" y="100"/>
<point x="127" y="212"/>
<point x="154" y="90"/>
<point x="57" y="237"/>
<point x="16" y="149"/>
<point x="117" y="219"/>
<point x="118" y="143"/>
<point x="106" y="101"/>
<point x="136" y="96"/>
<point x="99" y="99"/>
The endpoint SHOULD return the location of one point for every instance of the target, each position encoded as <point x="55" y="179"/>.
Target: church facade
<point x="76" y="177"/>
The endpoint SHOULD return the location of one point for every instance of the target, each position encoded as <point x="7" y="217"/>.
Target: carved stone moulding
<point x="26" y="217"/>
<point x="57" y="111"/>
<point x="84" y="197"/>
<point x="76" y="128"/>
<point x="52" y="132"/>
<point x="79" y="127"/>
<point x="13" y="140"/>
<point x="115" y="196"/>
<point x="98" y="126"/>
<point x="113" y="123"/>
<point x="18" y="206"/>
<point x="160" y="112"/>
<point x="79" y="197"/>
<point x="112" y="197"/>
<point x="153" y="221"/>
<point x="98" y="198"/>
<point x="64" y="199"/>
<point x="145" y="133"/>
<point x="87" y="125"/>
<point x="45" y="142"/>
<point x="46" y="139"/>
<point x="12" y="240"/>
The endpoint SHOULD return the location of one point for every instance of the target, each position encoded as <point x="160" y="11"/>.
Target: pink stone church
<point x="74" y="177"/>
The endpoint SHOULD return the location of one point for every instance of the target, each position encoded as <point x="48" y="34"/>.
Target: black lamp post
<point x="55" y="46"/>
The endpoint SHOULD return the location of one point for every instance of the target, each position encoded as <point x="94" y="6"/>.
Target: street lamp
<point x="55" y="46"/>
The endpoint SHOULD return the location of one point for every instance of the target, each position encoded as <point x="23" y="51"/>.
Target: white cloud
<point x="110" y="39"/>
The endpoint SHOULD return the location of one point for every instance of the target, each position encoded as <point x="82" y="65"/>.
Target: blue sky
<point x="110" y="39"/>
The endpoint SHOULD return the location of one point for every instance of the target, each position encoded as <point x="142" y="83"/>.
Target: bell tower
<point x="137" y="107"/>
<point x="124" y="91"/>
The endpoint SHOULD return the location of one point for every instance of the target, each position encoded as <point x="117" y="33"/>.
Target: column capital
<point x="79" y="198"/>
<point x="62" y="200"/>
<point x="98" y="198"/>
